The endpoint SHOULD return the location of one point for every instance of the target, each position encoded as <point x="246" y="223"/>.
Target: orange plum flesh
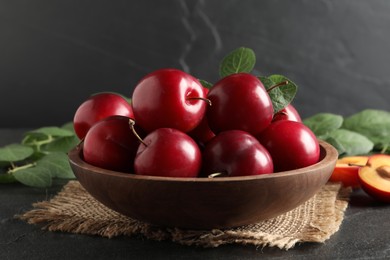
<point x="346" y="170"/>
<point x="375" y="177"/>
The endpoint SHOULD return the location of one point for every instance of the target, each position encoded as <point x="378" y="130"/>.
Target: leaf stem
<point x="217" y="174"/>
<point x="38" y="144"/>
<point x="18" y="168"/>
<point x="384" y="149"/>
<point x="208" y="101"/>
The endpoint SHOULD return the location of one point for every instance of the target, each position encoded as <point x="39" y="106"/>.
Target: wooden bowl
<point x="204" y="203"/>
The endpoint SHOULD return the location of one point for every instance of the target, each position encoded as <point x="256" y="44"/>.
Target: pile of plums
<point x="175" y="127"/>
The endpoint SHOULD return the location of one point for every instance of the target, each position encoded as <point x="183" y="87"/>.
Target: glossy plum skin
<point x="240" y="102"/>
<point x="288" y="113"/>
<point x="169" y="153"/>
<point x="111" y="144"/>
<point x="161" y="100"/>
<point x="292" y="145"/>
<point x="98" y="107"/>
<point x="236" y="153"/>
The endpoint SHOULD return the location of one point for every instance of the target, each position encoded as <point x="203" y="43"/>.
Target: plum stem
<point x="80" y="143"/>
<point x="132" y="124"/>
<point x="277" y="85"/>
<point x="208" y="101"/>
<point x="216" y="174"/>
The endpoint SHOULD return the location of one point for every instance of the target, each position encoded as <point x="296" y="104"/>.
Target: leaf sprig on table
<point x="40" y="157"/>
<point x="365" y="132"/>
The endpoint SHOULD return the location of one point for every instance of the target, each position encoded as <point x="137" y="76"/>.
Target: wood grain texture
<point x="201" y="203"/>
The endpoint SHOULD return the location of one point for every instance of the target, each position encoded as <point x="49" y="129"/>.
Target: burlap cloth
<point x="74" y="210"/>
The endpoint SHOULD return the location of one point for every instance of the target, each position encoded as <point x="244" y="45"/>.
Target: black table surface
<point x="364" y="233"/>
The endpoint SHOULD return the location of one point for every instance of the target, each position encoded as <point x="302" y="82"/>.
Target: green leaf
<point x="336" y="144"/>
<point x="63" y="144"/>
<point x="68" y="126"/>
<point x="33" y="138"/>
<point x="268" y="83"/>
<point x="57" y="164"/>
<point x="282" y="95"/>
<point x="374" y="124"/>
<point x="323" y="123"/>
<point x="52" y="131"/>
<point x="352" y="142"/>
<point x="40" y="158"/>
<point x="240" y="60"/>
<point x="15" y="152"/>
<point x="36" y="176"/>
<point x="205" y="83"/>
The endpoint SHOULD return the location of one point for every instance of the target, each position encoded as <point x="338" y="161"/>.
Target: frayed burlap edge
<point x="324" y="219"/>
<point x="332" y="202"/>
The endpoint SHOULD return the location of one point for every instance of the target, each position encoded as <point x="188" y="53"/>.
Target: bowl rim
<point x="330" y="155"/>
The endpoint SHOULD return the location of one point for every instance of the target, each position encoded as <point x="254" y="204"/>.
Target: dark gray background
<point x="54" y="54"/>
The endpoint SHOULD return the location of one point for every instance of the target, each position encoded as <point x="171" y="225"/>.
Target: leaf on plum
<point x="268" y="83"/>
<point x="282" y="95"/>
<point x="240" y="60"/>
<point x="205" y="83"/>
